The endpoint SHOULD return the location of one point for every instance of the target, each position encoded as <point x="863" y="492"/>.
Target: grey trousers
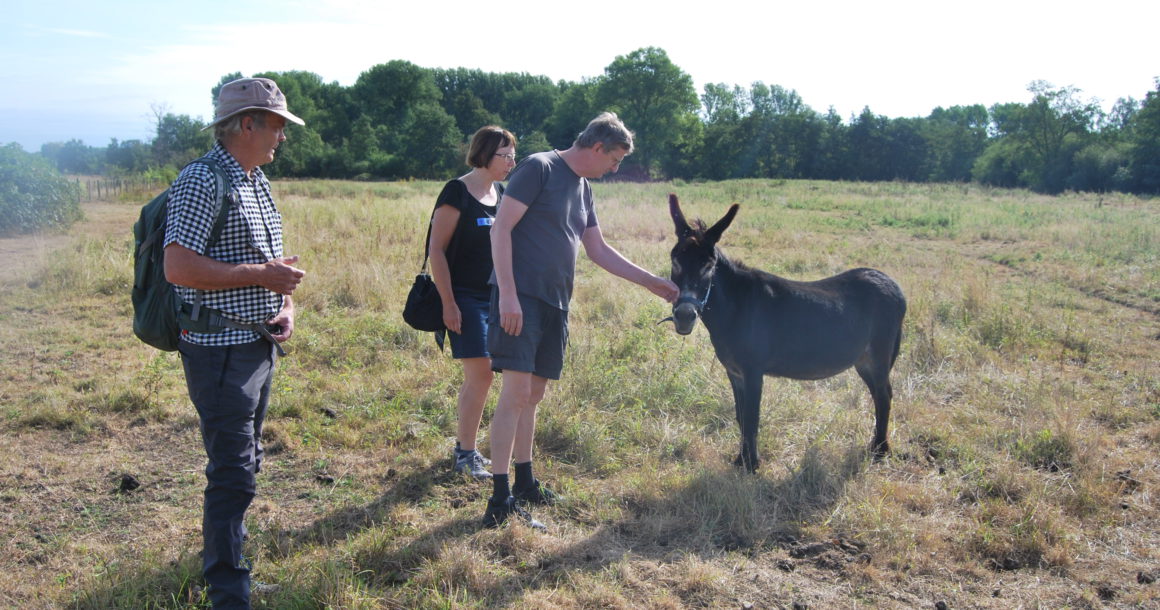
<point x="230" y="387"/>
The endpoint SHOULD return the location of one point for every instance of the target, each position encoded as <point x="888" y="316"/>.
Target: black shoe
<point x="536" y="493"/>
<point x="498" y="512"/>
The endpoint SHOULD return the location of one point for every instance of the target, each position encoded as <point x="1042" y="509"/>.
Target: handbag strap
<point x="427" y="243"/>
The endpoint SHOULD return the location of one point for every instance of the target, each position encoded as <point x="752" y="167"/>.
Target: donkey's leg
<point x="875" y="371"/>
<point x="747" y="392"/>
<point x="737" y="383"/>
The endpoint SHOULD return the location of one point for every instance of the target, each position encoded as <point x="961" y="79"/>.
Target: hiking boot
<point x="471" y="462"/>
<point x="486" y="462"/>
<point x="536" y="494"/>
<point x="498" y="512"/>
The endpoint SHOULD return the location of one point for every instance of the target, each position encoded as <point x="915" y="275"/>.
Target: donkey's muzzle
<point x="684" y="318"/>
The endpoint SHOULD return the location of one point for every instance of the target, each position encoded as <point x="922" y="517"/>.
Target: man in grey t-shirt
<point x="545" y="214"/>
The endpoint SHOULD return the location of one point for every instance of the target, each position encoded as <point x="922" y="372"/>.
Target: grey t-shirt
<point x="546" y="241"/>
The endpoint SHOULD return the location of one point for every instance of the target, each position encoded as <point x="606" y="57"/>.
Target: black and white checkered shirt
<point x="252" y="234"/>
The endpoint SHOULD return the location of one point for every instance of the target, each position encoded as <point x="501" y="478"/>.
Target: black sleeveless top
<point x="469" y="251"/>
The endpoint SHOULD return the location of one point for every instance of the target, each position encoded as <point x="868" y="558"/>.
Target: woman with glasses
<point x="461" y="266"/>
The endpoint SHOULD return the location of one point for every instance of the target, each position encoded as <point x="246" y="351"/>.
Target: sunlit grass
<point x="1025" y="427"/>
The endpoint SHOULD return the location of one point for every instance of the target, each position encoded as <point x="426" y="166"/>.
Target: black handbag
<point x="423" y="309"/>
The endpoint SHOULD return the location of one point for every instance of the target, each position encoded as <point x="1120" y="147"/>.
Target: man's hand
<point x="283" y="322"/>
<point x="511" y="315"/>
<point x="185" y="267"/>
<point x="279" y="275"/>
<point x="663" y="288"/>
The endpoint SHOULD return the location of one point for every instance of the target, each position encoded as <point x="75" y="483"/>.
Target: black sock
<point x="524" y="478"/>
<point x="500" y="490"/>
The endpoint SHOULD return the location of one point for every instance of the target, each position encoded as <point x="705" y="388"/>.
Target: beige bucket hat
<point x="251" y="94"/>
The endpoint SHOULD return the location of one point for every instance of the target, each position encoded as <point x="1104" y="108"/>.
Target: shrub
<point x="33" y="194"/>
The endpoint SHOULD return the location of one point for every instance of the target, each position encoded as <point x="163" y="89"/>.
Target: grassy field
<point x="1026" y="426"/>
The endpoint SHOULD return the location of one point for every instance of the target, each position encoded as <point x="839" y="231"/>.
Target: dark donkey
<point x="761" y="324"/>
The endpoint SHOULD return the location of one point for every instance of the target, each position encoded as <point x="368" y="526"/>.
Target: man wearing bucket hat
<point x="246" y="281"/>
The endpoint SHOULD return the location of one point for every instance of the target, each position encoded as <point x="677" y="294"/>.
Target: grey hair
<point x="233" y="125"/>
<point x="608" y="130"/>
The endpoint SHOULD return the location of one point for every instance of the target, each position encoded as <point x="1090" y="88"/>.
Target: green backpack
<point x="156" y="305"/>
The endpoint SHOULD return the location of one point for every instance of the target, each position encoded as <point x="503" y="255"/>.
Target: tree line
<point x="402" y="121"/>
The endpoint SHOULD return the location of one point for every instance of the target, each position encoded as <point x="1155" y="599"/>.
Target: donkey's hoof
<point x="750" y="466"/>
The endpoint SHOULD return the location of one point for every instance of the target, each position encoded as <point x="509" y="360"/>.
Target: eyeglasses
<point x="509" y="156"/>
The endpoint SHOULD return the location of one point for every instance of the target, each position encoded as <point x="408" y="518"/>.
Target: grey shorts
<point x="539" y="349"/>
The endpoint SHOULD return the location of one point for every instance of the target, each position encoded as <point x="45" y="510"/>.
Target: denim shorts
<point x="471" y="342"/>
<point x="539" y="349"/>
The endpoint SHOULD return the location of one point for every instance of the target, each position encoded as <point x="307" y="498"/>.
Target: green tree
<point x="868" y="147"/>
<point x="782" y="132"/>
<point x="1038" y="141"/>
<point x="387" y="92"/>
<point x="1145" y="144"/>
<point x="833" y="158"/>
<point x="519" y="102"/>
<point x="654" y="98"/>
<point x="1101" y="166"/>
<point x="575" y="106"/>
<point x="533" y="143"/>
<point x="527" y="109"/>
<point x="33" y="194"/>
<point x="128" y="156"/>
<point x="360" y="155"/>
<point x="73" y="157"/>
<point x="998" y="164"/>
<point x="1053" y="125"/>
<point x="415" y="135"/>
<point x="305" y="152"/>
<point x="179" y="139"/>
<point x="955" y="136"/>
<point x="720" y="102"/>
<point x="906" y="151"/>
<point x="432" y="145"/>
<point x="723" y="146"/>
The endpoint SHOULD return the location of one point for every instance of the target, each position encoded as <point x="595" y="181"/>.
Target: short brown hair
<point x="485" y="142"/>
<point x="608" y="130"/>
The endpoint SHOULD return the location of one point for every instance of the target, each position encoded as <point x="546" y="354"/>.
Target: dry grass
<point x="1025" y="431"/>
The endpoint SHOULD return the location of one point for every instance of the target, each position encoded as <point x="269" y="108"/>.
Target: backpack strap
<point x="224" y="197"/>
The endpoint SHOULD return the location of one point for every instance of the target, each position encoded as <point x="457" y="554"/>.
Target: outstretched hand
<point x="663" y="288"/>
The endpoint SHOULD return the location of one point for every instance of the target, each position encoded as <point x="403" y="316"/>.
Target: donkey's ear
<point x="679" y="222"/>
<point x="715" y="231"/>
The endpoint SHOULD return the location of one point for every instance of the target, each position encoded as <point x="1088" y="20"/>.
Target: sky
<point x="96" y="71"/>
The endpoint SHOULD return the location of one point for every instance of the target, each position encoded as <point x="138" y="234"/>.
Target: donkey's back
<point x="803" y="330"/>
